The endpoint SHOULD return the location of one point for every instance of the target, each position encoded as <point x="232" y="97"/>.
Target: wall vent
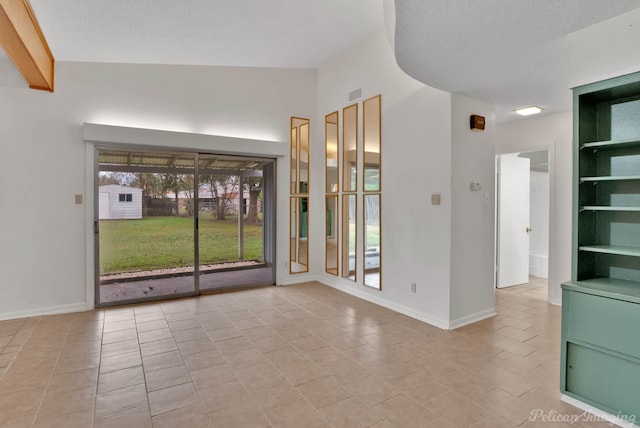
<point x="354" y="95"/>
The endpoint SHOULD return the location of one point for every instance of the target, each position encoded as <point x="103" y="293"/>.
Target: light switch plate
<point x="435" y="199"/>
<point x="78" y="199"/>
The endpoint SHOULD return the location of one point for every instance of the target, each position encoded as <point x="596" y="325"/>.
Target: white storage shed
<point x="119" y="202"/>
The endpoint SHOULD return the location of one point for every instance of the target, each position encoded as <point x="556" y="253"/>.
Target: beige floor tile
<point x="196" y="346"/>
<point x="325" y="356"/>
<point x="224" y="395"/>
<point x="457" y="409"/>
<point x="203" y="359"/>
<point x="191" y="417"/>
<point x="351" y="413"/>
<point x="270" y="344"/>
<point x="419" y="387"/>
<point x="245" y="358"/>
<point x="346" y="371"/>
<point x="25" y="378"/>
<point x="185" y="324"/>
<point x="152" y="325"/>
<point x="20" y="402"/>
<point x="173" y="398"/>
<point x="245" y="415"/>
<point x="158" y="347"/>
<point x="212" y="376"/>
<point x="190" y="334"/>
<point x="110" y="327"/>
<point x="120" y="400"/>
<point x="298" y="373"/>
<point x="308" y="343"/>
<point x="275" y="394"/>
<point x="70" y="401"/>
<point x="259" y="375"/>
<point x="505" y="406"/>
<point x="233" y="345"/>
<point x="120" y="379"/>
<point x="404" y="412"/>
<point x="469" y="385"/>
<point x="73" y="380"/>
<point x="162" y="361"/>
<point x="121" y="361"/>
<point x="507" y="381"/>
<point x="154" y="335"/>
<point x="218" y="334"/>
<point x="165" y="378"/>
<point x="493" y="421"/>
<point x="117" y="348"/>
<point x="80" y="419"/>
<point x="23" y="420"/>
<point x="295" y="414"/>
<point x="138" y="417"/>
<point x="80" y="361"/>
<point x="372" y="390"/>
<point x="324" y="391"/>
<point x="259" y="332"/>
<point x="383" y="424"/>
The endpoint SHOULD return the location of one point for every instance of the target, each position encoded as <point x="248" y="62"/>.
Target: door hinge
<point x="96" y="228"/>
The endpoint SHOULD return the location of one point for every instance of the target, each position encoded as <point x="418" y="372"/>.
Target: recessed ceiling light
<point x="528" y="111"/>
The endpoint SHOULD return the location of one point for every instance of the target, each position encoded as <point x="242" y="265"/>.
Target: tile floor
<point x="295" y="356"/>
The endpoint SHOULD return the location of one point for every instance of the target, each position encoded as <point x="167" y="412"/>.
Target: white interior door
<point x="513" y="220"/>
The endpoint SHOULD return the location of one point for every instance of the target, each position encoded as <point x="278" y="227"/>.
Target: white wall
<point x="553" y="132"/>
<point x="416" y="162"/>
<point x="472" y="213"/>
<point x="42" y="250"/>
<point x="605" y="50"/>
<point x="539" y="223"/>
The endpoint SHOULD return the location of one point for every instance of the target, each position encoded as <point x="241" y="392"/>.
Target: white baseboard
<point x="597" y="414"/>
<point x="298" y="279"/>
<point x="336" y="283"/>
<point x="470" y="319"/>
<point x="51" y="310"/>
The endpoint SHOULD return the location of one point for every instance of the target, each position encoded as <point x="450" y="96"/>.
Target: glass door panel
<point x="145" y="225"/>
<point x="231" y="222"/>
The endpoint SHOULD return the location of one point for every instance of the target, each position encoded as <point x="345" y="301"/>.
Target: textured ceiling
<point x="507" y="52"/>
<point x="510" y="53"/>
<point x="258" y="33"/>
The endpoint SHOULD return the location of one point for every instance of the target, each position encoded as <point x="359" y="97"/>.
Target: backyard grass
<point x="166" y="242"/>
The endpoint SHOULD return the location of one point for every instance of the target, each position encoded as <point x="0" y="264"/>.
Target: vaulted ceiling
<point x="511" y="53"/>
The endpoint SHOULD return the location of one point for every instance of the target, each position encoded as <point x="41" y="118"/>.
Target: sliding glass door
<point x="145" y="225"/>
<point x="171" y="224"/>
<point x="231" y="222"/>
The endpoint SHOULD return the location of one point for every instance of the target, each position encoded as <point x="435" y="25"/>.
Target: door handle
<point x="528" y="229"/>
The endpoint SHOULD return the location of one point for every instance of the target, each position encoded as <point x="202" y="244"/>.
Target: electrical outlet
<point x="78" y="199"/>
<point x="413" y="287"/>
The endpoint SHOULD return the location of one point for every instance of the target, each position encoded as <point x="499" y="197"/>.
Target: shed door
<point x="103" y="206"/>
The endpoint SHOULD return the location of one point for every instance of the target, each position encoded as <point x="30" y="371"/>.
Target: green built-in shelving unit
<point x="601" y="304"/>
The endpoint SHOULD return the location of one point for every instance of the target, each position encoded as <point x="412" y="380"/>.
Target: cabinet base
<point x="594" y="414"/>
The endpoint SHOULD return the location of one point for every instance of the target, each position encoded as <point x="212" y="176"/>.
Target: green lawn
<point x="163" y="242"/>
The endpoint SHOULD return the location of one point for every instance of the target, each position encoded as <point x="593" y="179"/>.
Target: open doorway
<point x="522" y="220"/>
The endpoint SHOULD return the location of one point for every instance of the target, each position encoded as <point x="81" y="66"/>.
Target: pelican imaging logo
<point x="554" y="416"/>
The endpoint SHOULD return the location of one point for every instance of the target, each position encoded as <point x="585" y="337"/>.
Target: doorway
<point x="174" y="224"/>
<point x="522" y="218"/>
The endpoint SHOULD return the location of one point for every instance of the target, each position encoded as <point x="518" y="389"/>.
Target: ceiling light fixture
<point x="528" y="111"/>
